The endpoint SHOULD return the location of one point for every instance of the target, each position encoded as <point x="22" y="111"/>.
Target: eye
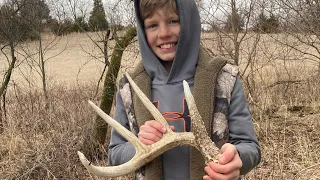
<point x="151" y="26"/>
<point x="175" y="21"/>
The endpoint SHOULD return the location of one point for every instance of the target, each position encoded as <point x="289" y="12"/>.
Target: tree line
<point x="23" y="18"/>
<point x="271" y="17"/>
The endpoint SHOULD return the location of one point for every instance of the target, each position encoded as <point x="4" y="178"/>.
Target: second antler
<point x="198" y="138"/>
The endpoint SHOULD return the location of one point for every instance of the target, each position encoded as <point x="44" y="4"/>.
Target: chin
<point x="167" y="58"/>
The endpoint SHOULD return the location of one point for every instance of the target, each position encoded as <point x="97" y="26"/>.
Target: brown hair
<point x="147" y="7"/>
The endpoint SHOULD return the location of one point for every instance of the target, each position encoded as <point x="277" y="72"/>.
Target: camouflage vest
<point x="212" y="95"/>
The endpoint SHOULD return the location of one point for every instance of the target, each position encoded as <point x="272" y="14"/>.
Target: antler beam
<point x="146" y="153"/>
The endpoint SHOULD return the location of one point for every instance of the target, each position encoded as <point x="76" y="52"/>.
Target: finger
<point x="210" y="172"/>
<point x="215" y="175"/>
<point x="172" y="128"/>
<point x="146" y="141"/>
<point x="228" y="152"/>
<point x="156" y="125"/>
<point x="206" y="177"/>
<point x="148" y="136"/>
<point x="233" y="165"/>
<point x="151" y="130"/>
<point x="234" y="175"/>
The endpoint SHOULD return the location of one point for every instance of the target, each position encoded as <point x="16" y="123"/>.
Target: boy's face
<point x="162" y="29"/>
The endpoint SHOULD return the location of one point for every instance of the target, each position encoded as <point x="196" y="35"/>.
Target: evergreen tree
<point x="80" y="25"/>
<point x="234" y="23"/>
<point x="267" y="24"/>
<point x="35" y="14"/>
<point x="97" y="19"/>
<point x="20" y="20"/>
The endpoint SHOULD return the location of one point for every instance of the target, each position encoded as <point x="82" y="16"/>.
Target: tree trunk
<point x="7" y="77"/>
<point x="43" y="73"/>
<point x="110" y="82"/>
<point x="5" y="83"/>
<point x="101" y="127"/>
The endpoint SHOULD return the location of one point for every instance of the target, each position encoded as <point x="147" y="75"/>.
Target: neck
<point x="167" y="65"/>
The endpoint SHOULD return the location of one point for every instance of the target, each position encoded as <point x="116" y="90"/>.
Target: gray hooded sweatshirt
<point x="168" y="97"/>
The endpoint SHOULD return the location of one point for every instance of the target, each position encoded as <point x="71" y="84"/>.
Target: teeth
<point x="166" y="46"/>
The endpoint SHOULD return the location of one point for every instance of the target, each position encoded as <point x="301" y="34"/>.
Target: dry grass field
<point x="39" y="143"/>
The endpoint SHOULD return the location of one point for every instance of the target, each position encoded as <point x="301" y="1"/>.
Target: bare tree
<point x="59" y="10"/>
<point x="112" y="62"/>
<point x="9" y="36"/>
<point x="109" y="88"/>
<point x="14" y="28"/>
<point x="301" y="27"/>
<point x="120" y="13"/>
<point x="72" y="9"/>
<point x="37" y="57"/>
<point x="231" y="21"/>
<point x="78" y="8"/>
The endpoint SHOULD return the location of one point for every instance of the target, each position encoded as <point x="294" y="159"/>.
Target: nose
<point x="164" y="31"/>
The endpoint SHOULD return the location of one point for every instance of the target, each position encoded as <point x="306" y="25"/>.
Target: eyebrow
<point x="168" y="16"/>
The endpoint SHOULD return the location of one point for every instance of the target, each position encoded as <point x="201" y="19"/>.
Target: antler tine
<point x="204" y="144"/>
<point x="128" y="135"/>
<point x="110" y="171"/>
<point x="116" y="170"/>
<point x="148" y="104"/>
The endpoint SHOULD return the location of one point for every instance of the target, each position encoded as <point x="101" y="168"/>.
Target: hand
<point x="151" y="132"/>
<point x="228" y="167"/>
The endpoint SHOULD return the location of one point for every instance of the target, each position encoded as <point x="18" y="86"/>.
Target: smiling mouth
<point x="168" y="46"/>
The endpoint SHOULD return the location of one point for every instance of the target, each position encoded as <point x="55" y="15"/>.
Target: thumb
<point x="228" y="152"/>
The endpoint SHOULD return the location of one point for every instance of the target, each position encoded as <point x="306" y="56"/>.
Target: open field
<point x="42" y="144"/>
<point x="69" y="62"/>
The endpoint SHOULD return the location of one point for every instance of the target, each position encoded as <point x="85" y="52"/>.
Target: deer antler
<point x="146" y="153"/>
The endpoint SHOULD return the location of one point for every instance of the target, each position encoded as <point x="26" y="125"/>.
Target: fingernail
<point x="164" y="130"/>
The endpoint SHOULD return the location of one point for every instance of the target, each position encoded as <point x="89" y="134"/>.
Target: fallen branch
<point x="286" y="82"/>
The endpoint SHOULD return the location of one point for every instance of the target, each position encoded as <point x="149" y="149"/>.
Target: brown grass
<point x="290" y="147"/>
<point x="42" y="144"/>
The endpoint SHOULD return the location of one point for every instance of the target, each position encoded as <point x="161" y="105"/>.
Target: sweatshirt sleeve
<point x="241" y="130"/>
<point x="120" y="150"/>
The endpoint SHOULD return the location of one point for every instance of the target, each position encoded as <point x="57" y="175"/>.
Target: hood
<point x="185" y="61"/>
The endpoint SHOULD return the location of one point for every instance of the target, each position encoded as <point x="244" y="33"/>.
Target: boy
<point x="169" y="41"/>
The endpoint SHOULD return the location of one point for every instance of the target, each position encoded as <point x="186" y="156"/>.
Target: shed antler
<point x="146" y="153"/>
